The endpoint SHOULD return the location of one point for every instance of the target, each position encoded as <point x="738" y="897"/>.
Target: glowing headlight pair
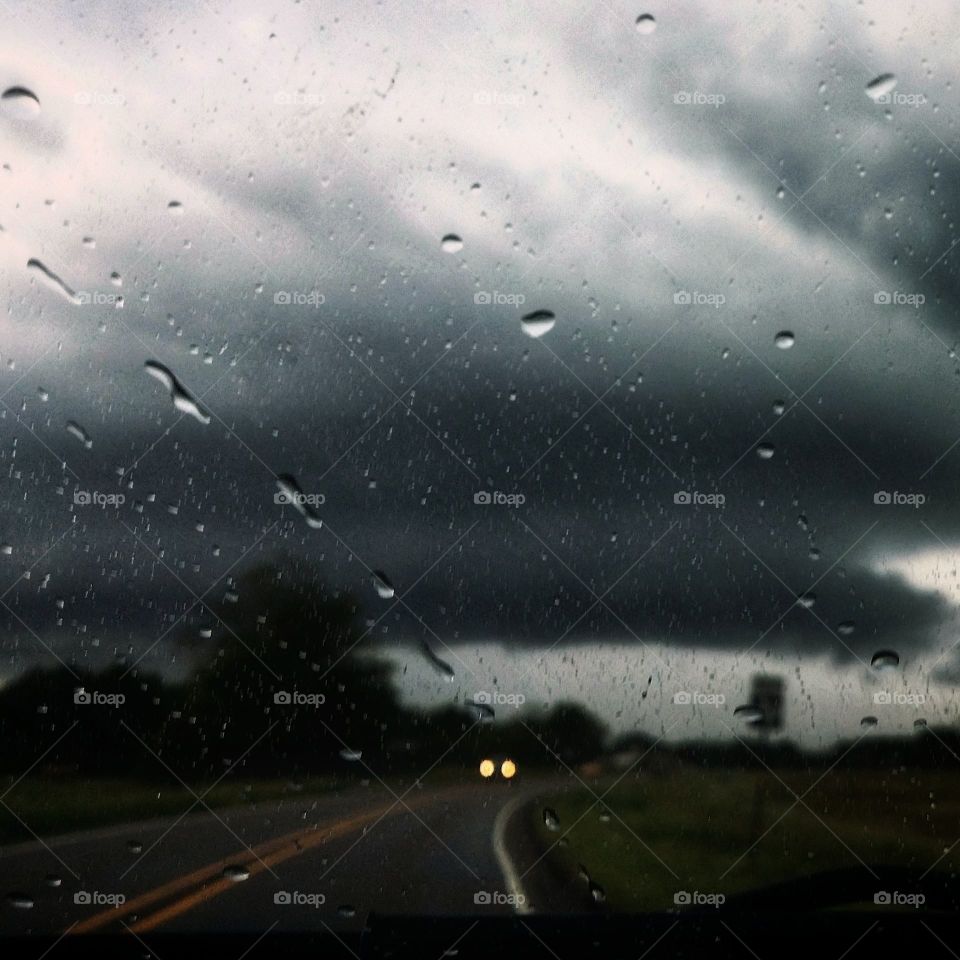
<point x="507" y="769"/>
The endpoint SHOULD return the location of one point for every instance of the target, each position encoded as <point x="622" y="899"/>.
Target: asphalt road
<point x="288" y="865"/>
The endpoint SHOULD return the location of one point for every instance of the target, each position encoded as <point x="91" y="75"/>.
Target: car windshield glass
<point x="480" y="460"/>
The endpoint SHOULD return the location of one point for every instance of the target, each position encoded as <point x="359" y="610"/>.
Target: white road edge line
<point x="510" y="876"/>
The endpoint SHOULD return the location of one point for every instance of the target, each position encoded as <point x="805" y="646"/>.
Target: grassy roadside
<point x="56" y="805"/>
<point x="695" y="830"/>
<point x="51" y="806"/>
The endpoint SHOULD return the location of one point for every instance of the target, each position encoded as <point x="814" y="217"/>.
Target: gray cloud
<point x="301" y="169"/>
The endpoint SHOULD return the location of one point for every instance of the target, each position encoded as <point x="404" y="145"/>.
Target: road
<point x="328" y="860"/>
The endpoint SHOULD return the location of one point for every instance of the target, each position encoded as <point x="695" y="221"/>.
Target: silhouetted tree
<point x="280" y="638"/>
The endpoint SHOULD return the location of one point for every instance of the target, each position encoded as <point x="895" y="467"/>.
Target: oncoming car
<point x="498" y="768"/>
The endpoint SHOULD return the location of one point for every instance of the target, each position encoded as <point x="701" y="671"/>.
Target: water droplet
<point x="451" y="243"/>
<point x="90" y="243"/>
<point x="175" y="207"/>
<point x="784" y="340"/>
<point x="20" y="901"/>
<point x="885" y="659"/>
<point x="351" y="755"/>
<point x="765" y="451"/>
<point x="116" y="279"/>
<point x="382" y="585"/>
<point x="846" y="627"/>
<point x="868" y="722"/>
<point x="597" y="892"/>
<point x="780" y="193"/>
<point x="51" y="280"/>
<point x="920" y="722"/>
<point x="292" y="495"/>
<point x="778" y="407"/>
<point x="43" y="394"/>
<point x="52" y="880"/>
<point x="538" y="323"/>
<point x="182" y="400"/>
<point x="75" y="430"/>
<point x="550" y="819"/>
<point x="483" y="711"/>
<point x="441" y="666"/>
<point x="346" y="910"/>
<point x="748" y="713"/>
<point x="806" y="600"/>
<point x="236" y="873"/>
<point x="135" y="846"/>
<point x="880" y="86"/>
<point x="7" y="549"/>
<point x="646" y="24"/>
<point x="20" y="102"/>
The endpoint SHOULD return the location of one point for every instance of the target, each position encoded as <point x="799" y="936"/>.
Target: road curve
<point x="294" y="864"/>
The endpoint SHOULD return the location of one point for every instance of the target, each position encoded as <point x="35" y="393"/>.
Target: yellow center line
<point x="207" y="893"/>
<point x="265" y="855"/>
<point x="189" y="880"/>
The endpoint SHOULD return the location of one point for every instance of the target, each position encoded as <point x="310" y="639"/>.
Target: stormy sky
<point x="749" y="256"/>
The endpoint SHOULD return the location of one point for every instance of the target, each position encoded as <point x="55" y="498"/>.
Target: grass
<point x="702" y="825"/>
<point x="49" y="805"/>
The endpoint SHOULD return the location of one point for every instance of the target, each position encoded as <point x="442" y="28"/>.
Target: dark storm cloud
<point x="305" y="395"/>
<point x="700" y="586"/>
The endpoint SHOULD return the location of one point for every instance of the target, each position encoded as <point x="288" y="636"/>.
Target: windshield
<point x="481" y="460"/>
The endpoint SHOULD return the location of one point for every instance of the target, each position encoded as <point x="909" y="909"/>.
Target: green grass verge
<point x="729" y="832"/>
<point x="47" y="806"/>
<point x="50" y="806"/>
